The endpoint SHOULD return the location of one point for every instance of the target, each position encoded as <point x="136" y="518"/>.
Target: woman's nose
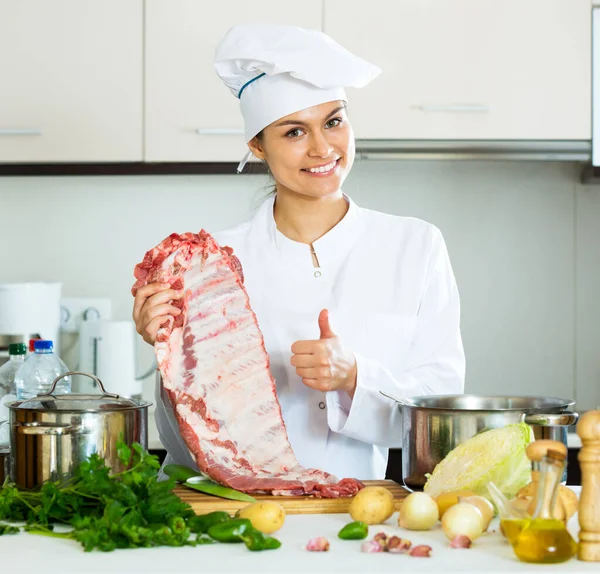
<point x="320" y="146"/>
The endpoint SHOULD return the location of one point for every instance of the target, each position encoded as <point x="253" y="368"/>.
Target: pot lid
<point x="105" y="402"/>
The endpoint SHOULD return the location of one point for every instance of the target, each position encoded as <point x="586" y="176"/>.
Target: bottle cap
<point x="31" y="345"/>
<point x="43" y="345"/>
<point x="17" y="349"/>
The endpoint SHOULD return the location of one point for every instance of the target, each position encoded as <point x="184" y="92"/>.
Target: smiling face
<point x="309" y="152"/>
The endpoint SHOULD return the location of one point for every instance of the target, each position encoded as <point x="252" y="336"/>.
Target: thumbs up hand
<point x="325" y="364"/>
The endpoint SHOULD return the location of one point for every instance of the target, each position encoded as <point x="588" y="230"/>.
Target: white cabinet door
<point x="469" y="69"/>
<point x="71" y="80"/>
<point x="190" y="115"/>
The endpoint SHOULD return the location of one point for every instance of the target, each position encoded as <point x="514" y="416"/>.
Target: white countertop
<point x="490" y="553"/>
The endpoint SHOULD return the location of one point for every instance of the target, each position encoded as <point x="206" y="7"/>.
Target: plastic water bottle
<point x="8" y="390"/>
<point x="39" y="371"/>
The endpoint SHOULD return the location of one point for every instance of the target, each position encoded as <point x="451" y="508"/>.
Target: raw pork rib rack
<point x="215" y="370"/>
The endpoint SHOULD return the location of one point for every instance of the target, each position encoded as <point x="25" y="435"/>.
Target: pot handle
<point x="98" y="382"/>
<point x="565" y="419"/>
<point x="50" y="431"/>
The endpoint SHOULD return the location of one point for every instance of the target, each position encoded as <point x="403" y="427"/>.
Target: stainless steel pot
<point x="435" y="424"/>
<point x="4" y="458"/>
<point x="51" y="434"/>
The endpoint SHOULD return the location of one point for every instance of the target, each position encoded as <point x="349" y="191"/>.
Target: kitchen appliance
<point x="107" y="350"/>
<point x="29" y="310"/>
<point x="433" y="425"/>
<point x="51" y="434"/>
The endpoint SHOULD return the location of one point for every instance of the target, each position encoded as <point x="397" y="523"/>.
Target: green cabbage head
<point x="496" y="455"/>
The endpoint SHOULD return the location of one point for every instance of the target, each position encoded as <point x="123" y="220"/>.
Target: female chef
<point x="350" y="301"/>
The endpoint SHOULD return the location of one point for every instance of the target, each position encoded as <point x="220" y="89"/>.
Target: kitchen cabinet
<point x="190" y="115"/>
<point x="469" y="69"/>
<point x="71" y="81"/>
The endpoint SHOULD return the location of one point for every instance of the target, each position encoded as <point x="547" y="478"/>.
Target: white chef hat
<point x="278" y="70"/>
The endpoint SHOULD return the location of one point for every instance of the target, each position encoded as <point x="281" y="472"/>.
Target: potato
<point x="268" y="517"/>
<point x="372" y="505"/>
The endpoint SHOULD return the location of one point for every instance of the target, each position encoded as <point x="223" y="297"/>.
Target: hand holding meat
<point x="325" y="364"/>
<point x="152" y="307"/>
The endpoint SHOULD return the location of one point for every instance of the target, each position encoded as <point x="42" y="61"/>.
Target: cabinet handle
<point x="220" y="131"/>
<point x="468" y="108"/>
<point x="20" y="132"/>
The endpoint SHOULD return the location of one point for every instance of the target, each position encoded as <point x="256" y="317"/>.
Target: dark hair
<point x="272" y="185"/>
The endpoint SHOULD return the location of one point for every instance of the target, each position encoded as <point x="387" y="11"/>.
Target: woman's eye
<point x="334" y="123"/>
<point x="294" y="133"/>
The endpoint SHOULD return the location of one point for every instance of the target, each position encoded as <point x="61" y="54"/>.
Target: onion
<point x="484" y="505"/>
<point x="419" y="512"/>
<point x="463" y="519"/>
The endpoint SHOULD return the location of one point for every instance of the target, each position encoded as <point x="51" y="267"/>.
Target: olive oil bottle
<point x="542" y="538"/>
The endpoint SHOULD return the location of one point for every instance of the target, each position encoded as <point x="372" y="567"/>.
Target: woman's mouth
<point x="323" y="170"/>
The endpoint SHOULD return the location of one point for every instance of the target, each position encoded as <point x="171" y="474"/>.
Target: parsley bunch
<point x="129" y="509"/>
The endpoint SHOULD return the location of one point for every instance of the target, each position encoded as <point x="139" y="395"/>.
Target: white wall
<point x="524" y="239"/>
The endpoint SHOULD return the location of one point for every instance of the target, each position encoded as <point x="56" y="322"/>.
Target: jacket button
<point x="321" y="405"/>
<point x="317" y="274"/>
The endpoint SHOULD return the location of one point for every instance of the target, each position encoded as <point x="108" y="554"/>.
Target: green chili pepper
<point x="182" y="473"/>
<point x="354" y="531"/>
<point x="179" y="472"/>
<point x="177" y="524"/>
<point x="201" y="524"/>
<point x="256" y="540"/>
<point x="230" y="531"/>
<point x="209" y="487"/>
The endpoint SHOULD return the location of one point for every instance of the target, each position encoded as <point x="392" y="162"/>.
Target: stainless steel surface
<point x="453" y="108"/>
<point x="51" y="434"/>
<point x="439" y="423"/>
<point x="220" y="131"/>
<point x="402" y="401"/>
<point x="4" y="458"/>
<point x="490" y="403"/>
<point x="560" y="420"/>
<point x="20" y="132"/>
<point x="4" y="463"/>
<point x="515" y="150"/>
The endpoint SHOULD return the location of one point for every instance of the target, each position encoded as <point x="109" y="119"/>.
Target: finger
<point x="143" y="294"/>
<point x="308" y="360"/>
<point x="305" y="347"/>
<point x="158" y="299"/>
<point x="314" y="372"/>
<point x="151" y="329"/>
<point x="317" y="384"/>
<point x="164" y="297"/>
<point x="159" y="311"/>
<point x="324" y="327"/>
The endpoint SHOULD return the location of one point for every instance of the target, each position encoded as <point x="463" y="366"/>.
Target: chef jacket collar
<point x="331" y="248"/>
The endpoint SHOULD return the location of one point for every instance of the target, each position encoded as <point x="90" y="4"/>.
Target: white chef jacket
<point x="392" y="299"/>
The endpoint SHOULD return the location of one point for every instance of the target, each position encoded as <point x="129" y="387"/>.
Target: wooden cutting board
<point x="204" y="503"/>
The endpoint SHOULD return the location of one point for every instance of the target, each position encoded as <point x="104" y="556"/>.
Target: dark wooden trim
<point x="138" y="168"/>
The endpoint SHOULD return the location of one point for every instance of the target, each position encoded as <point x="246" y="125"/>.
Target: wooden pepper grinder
<point x="588" y="429"/>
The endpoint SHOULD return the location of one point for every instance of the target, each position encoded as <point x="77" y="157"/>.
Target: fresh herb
<point x="7" y="529"/>
<point x="130" y="509"/>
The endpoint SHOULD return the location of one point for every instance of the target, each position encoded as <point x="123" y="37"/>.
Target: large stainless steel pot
<point x="435" y="424"/>
<point x="51" y="434"/>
